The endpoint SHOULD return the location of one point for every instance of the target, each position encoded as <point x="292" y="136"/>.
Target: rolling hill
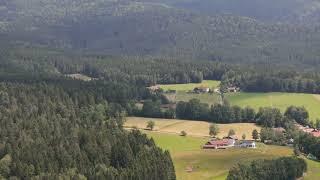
<point x="162" y="28"/>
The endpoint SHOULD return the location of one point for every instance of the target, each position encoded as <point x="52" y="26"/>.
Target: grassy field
<point x="209" y="164"/>
<point x="255" y="100"/>
<point x="313" y="170"/>
<point x="280" y="100"/>
<point x="192" y="128"/>
<point x="215" y="164"/>
<point x="186" y="87"/>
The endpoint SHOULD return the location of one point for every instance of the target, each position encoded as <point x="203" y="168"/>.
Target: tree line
<point x="226" y="113"/>
<point x="281" y="168"/>
<point x="270" y="80"/>
<point x="146" y="71"/>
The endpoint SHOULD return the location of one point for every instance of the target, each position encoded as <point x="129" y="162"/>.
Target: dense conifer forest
<point x="52" y="131"/>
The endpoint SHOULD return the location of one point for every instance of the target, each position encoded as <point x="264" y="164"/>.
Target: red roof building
<point x="315" y="133"/>
<point x="219" y="144"/>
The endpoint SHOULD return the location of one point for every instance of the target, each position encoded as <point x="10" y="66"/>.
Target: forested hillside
<point x="62" y="131"/>
<point x="166" y="29"/>
<point x="283" y="11"/>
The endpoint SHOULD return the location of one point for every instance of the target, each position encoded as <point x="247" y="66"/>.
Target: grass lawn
<point x="192" y="128"/>
<point x="280" y="100"/>
<point x="209" y="164"/>
<point x="313" y="170"/>
<point x="186" y="87"/>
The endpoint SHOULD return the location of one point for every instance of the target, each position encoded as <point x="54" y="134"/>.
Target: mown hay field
<point x="192" y="128"/>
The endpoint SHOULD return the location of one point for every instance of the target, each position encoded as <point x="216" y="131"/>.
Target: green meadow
<point x="215" y="164"/>
<point x="187" y="87"/>
<point x="256" y="100"/>
<point x="279" y="100"/>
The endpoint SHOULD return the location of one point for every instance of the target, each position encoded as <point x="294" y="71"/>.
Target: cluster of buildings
<point x="228" y="142"/>
<point x="307" y="129"/>
<point x="202" y="89"/>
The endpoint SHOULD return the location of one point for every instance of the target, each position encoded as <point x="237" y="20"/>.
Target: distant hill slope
<point x="284" y="11"/>
<point x="159" y="28"/>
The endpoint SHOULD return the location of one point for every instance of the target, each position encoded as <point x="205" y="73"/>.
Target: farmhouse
<point x="246" y="144"/>
<point x="220" y="143"/>
<point x="315" y="133"/>
<point x="233" y="89"/>
<point x="307" y="129"/>
<point x="201" y="90"/>
<point x="154" y="88"/>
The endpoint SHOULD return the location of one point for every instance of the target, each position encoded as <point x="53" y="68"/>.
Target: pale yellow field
<point x="192" y="128"/>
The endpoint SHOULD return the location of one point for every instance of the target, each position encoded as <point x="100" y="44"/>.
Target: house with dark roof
<point x="201" y="89"/>
<point x="246" y="144"/>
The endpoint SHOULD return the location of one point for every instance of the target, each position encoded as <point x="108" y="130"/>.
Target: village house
<point x="154" y="88"/>
<point x="218" y="144"/>
<point x="315" y="133"/>
<point x="201" y="90"/>
<point x="233" y="89"/>
<point x="246" y="144"/>
<point x="228" y="142"/>
<point x="307" y="129"/>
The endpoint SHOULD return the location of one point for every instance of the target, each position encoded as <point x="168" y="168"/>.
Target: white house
<point x="246" y="144"/>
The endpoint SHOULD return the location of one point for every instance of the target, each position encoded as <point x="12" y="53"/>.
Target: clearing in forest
<point x="193" y="162"/>
<point x="189" y="87"/>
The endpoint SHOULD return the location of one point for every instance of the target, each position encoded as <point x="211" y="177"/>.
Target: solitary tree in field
<point x="243" y="136"/>
<point x="150" y="125"/>
<point x="183" y="133"/>
<point x="255" y="134"/>
<point x="231" y="132"/>
<point x="213" y="130"/>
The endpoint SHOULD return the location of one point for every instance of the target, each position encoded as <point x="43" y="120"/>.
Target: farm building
<point x="201" y="90"/>
<point x="229" y="142"/>
<point x="246" y="144"/>
<point x="315" y="133"/>
<point x="217" y="144"/>
<point x="233" y="89"/>
<point x="220" y="143"/>
<point x="234" y="137"/>
<point x="154" y="88"/>
<point x="307" y="129"/>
